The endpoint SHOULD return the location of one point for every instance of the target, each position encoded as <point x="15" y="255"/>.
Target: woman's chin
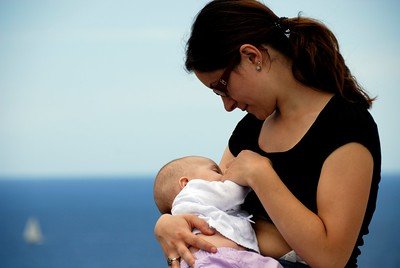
<point x="259" y="116"/>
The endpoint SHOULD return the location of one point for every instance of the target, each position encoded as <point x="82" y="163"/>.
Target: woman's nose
<point x="229" y="104"/>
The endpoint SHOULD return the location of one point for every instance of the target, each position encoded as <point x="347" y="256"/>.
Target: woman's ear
<point x="251" y="54"/>
<point x="183" y="181"/>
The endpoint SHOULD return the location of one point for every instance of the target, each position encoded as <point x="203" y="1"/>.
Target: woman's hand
<point x="174" y="233"/>
<point x="246" y="167"/>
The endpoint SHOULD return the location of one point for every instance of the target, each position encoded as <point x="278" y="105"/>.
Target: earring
<point x="258" y="67"/>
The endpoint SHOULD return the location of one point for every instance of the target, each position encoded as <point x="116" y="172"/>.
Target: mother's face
<point x="243" y="89"/>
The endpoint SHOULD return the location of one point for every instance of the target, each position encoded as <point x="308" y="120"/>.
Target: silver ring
<point x="170" y="260"/>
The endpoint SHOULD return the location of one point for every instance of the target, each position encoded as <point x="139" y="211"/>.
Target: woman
<point x="308" y="146"/>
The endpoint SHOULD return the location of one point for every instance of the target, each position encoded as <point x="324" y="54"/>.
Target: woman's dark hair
<point x="222" y="26"/>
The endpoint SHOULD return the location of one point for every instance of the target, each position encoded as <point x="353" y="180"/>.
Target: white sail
<point x="32" y="232"/>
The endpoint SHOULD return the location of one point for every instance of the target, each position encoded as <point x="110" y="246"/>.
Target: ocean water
<point x="109" y="223"/>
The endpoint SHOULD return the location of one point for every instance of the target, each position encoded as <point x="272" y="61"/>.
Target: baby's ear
<point x="183" y="181"/>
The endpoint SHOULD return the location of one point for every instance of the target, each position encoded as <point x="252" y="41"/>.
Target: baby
<point x="191" y="185"/>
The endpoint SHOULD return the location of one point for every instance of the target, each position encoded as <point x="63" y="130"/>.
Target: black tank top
<point x="339" y="123"/>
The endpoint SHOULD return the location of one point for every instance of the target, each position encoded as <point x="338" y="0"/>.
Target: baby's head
<point x="173" y="176"/>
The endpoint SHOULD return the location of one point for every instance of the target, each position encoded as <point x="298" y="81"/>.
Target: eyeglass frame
<point x="220" y="87"/>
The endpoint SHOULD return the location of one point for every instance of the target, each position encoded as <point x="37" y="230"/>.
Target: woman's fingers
<point x="195" y="241"/>
<point x="175" y="263"/>
<point x="174" y="233"/>
<point x="202" y="225"/>
<point x="199" y="243"/>
<point x="186" y="255"/>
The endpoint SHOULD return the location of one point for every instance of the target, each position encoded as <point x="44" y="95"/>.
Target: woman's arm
<point x="325" y="239"/>
<point x="270" y="241"/>
<point x="174" y="233"/>
<point x="227" y="157"/>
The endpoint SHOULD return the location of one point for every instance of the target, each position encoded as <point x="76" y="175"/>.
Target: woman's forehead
<point x="208" y="77"/>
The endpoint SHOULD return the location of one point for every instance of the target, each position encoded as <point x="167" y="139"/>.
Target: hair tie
<point x="283" y="25"/>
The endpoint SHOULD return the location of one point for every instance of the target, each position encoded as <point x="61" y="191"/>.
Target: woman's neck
<point x="302" y="101"/>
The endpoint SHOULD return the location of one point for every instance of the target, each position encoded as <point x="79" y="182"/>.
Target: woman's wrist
<point x="259" y="174"/>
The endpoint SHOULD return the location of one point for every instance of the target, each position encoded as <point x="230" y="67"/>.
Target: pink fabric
<point x="232" y="258"/>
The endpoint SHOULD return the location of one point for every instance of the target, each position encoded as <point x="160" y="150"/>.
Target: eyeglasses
<point x="220" y="87"/>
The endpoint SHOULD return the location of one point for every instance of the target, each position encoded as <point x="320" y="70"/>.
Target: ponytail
<point x="317" y="62"/>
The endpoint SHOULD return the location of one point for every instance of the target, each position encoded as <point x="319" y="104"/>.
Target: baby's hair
<point x="166" y="185"/>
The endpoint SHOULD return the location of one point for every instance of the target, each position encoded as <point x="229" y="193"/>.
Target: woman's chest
<point x="282" y="136"/>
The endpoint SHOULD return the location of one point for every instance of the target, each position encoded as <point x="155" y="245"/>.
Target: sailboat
<point x="32" y="233"/>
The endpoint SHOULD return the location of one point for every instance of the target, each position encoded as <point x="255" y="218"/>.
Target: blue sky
<point x="97" y="88"/>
